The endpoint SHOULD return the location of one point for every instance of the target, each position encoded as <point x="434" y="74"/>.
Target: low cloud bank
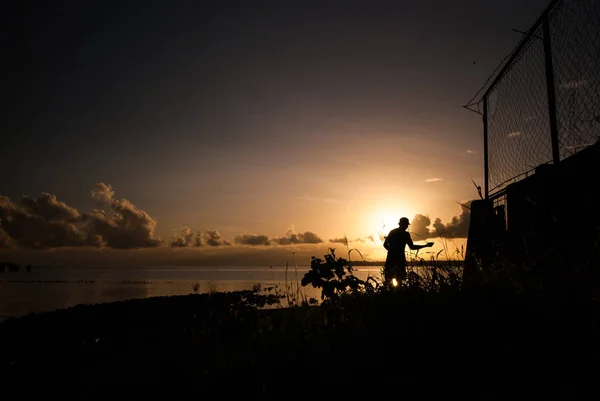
<point x="44" y="222"/>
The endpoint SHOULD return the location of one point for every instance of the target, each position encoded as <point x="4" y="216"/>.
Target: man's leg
<point x="391" y="276"/>
<point x="402" y="272"/>
<point x="387" y="276"/>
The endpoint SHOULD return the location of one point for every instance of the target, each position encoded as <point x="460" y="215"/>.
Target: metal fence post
<point x="486" y="167"/>
<point x="550" y="88"/>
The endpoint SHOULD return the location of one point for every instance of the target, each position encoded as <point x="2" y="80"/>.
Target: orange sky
<point x="251" y="131"/>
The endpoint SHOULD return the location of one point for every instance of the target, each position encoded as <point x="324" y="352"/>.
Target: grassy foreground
<point x="484" y="342"/>
<point x="479" y="345"/>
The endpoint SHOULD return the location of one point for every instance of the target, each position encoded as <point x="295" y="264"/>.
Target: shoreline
<point x="203" y="339"/>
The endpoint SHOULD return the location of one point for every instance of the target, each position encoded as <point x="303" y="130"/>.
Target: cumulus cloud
<point x="213" y="238"/>
<point x="458" y="227"/>
<point x="45" y="222"/>
<point x="419" y="227"/>
<point x="252" y="239"/>
<point x="290" y="238"/>
<point x="49" y="208"/>
<point x="39" y="223"/>
<point x="187" y="238"/>
<point x="102" y="192"/>
<point x="125" y="226"/>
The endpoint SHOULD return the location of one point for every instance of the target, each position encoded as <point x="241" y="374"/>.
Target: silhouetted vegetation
<point x="334" y="276"/>
<point x="433" y="336"/>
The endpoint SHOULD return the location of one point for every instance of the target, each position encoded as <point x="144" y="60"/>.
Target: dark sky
<point x="169" y="101"/>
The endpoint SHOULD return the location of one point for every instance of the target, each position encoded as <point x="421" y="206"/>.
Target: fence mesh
<point x="575" y="36"/>
<point x="518" y="116"/>
<point x="518" y="122"/>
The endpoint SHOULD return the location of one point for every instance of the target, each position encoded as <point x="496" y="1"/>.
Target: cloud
<point x="343" y="241"/>
<point x="45" y="222"/>
<point x="421" y="227"/>
<point x="49" y="208"/>
<point x="362" y="240"/>
<point x="469" y="151"/>
<point x="39" y="223"/>
<point x="102" y="192"/>
<point x="368" y="238"/>
<point x="213" y="238"/>
<point x="124" y="226"/>
<point x="433" y="179"/>
<point x="290" y="238"/>
<point x="187" y="238"/>
<point x="458" y="227"/>
<point x="252" y="239"/>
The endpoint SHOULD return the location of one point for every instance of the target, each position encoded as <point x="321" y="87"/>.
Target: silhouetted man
<point x="395" y="242"/>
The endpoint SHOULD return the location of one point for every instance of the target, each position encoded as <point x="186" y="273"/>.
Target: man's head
<point x="404" y="222"/>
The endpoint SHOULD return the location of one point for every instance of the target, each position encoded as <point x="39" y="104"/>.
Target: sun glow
<point x="381" y="221"/>
<point x="372" y="222"/>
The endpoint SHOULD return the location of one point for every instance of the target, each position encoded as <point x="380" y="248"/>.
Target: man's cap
<point x="404" y="220"/>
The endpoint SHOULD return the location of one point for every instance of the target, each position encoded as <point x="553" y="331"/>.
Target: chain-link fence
<point x="544" y="103"/>
<point x="575" y="34"/>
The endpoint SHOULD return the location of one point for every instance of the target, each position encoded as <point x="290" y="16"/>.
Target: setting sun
<point x="380" y="219"/>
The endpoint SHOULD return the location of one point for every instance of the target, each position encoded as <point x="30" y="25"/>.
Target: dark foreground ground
<point x="388" y="346"/>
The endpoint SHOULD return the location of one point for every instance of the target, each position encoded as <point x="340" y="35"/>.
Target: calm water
<point x="47" y="289"/>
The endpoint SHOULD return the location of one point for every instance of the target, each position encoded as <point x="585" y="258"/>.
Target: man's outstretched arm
<point x="414" y="247"/>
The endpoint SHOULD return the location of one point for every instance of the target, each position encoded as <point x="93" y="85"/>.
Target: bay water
<point x="50" y="288"/>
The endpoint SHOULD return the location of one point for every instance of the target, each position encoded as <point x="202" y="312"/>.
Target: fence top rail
<point x="517" y="51"/>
